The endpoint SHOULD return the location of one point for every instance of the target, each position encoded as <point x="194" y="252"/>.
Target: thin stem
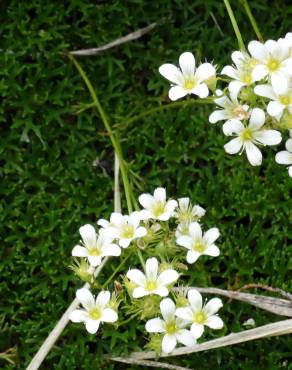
<point x="252" y="20"/>
<point x="234" y="25"/>
<point x="115" y="271"/>
<point x="141" y="258"/>
<point x="112" y="137"/>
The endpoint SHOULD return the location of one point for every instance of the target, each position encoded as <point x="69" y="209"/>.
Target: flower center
<point x="151" y="285"/>
<point x="171" y="327"/>
<point x="240" y="113"/>
<point x="93" y="251"/>
<point x="246" y="134"/>
<point x="199" y="317"/>
<point x="199" y="247"/>
<point x="286" y="100"/>
<point x="273" y="65"/>
<point x="127" y="232"/>
<point x="189" y="83"/>
<point x="247" y="79"/>
<point x="95" y="314"/>
<point x="158" y="209"/>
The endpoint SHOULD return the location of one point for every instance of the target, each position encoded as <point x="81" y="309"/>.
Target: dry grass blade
<point x="277" y="328"/>
<point x="130" y="37"/>
<point x="156" y="364"/>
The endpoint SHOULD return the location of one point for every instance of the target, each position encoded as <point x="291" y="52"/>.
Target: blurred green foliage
<point x="56" y="167"/>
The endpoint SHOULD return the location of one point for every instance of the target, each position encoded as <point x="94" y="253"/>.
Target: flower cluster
<point x="165" y="228"/>
<point x="256" y="106"/>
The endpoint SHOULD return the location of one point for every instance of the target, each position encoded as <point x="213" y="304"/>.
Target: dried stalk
<point x="130" y="37"/>
<point x="277" y="328"/>
<point x="268" y="288"/>
<point x="156" y="364"/>
<point x="61" y="324"/>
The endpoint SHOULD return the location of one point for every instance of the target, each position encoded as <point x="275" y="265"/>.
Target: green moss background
<point x="56" y="167"/>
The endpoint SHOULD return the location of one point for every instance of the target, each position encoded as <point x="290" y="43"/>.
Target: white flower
<point x="231" y="109"/>
<point x="248" y="136"/>
<point x="187" y="79"/>
<point x="273" y="61"/>
<point x="95" y="246"/>
<point x="124" y="228"/>
<point x="200" y="315"/>
<point x="151" y="282"/>
<point x="250" y="322"/>
<point x="156" y="206"/>
<point x="242" y="74"/>
<point x="95" y="310"/>
<point x="199" y="244"/>
<point x="285" y="157"/>
<point x="279" y="101"/>
<point x="172" y="327"/>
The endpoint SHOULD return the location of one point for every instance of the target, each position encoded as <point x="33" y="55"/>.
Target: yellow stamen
<point x="200" y="317"/>
<point x="158" y="209"/>
<point x="151" y="285"/>
<point x="95" y="314"/>
<point x="246" y="134"/>
<point x="199" y="247"/>
<point x="127" y="232"/>
<point x="171" y="327"/>
<point x="273" y="65"/>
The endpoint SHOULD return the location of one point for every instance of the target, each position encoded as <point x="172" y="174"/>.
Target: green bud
<point x="82" y="269"/>
<point x="155" y="343"/>
<point x="285" y="121"/>
<point x="150" y="306"/>
<point x="247" y="95"/>
<point x="211" y="83"/>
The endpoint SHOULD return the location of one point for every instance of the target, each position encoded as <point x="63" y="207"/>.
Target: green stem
<point x="252" y="20"/>
<point x="141" y="258"/>
<point x="234" y="25"/>
<point x="183" y="104"/>
<point x="113" y="139"/>
<point x="115" y="271"/>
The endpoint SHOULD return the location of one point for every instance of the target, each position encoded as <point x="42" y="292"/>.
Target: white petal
<point x="279" y="82"/>
<point x="290" y="171"/>
<point x="112" y="250"/>
<point x="154" y="326"/>
<point x="137" y="277"/>
<point x="197" y="330"/>
<point x="254" y="155"/>
<point x="289" y="144"/>
<point x="140" y="232"/>
<point x="218" y="115"/>
<point x="109" y="315"/>
<point x="117" y="219"/>
<point x="160" y="194"/>
<point x="195" y="230"/>
<point x="187" y="63"/>
<point x="192" y="256"/>
<point x="195" y="299"/>
<point x="103" y="299"/>
<point x="88" y="234"/>
<point x="78" y="316"/>
<point x="266" y="91"/>
<point x="258" y="50"/>
<point x="185" y="241"/>
<point x="284" y="157"/>
<point x="185" y="337"/>
<point x="205" y="71"/>
<point x="162" y="291"/>
<point x="85" y="297"/>
<point x="171" y="73"/>
<point x="177" y="92"/>
<point x="212" y="250"/>
<point x="140" y="292"/>
<point x="233" y="126"/>
<point x="92" y="325"/>
<point x="212" y="307"/>
<point x="170" y="206"/>
<point x="184" y="313"/>
<point x="134" y="219"/>
<point x="268" y="137"/>
<point x="151" y="268"/>
<point x="94" y="260"/>
<point x="167" y="277"/>
<point x="167" y="308"/>
<point x="257" y="119"/>
<point x="237" y="58"/>
<point x="168" y="343"/>
<point x="233" y="146"/>
<point x="146" y="201"/>
<point x="214" y="322"/>
<point x="223" y="101"/>
<point x="79" y="251"/>
<point x="201" y="90"/>
<point x="124" y="243"/>
<point x="211" y="235"/>
<point x="275" y="108"/>
<point x="145" y="215"/>
<point x="259" y="72"/>
<point x="230" y="72"/>
<point x="235" y="86"/>
<point x="103" y="223"/>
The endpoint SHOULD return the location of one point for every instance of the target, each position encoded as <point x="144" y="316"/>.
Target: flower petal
<point x="167" y="308"/>
<point x="205" y="71"/>
<point x="211" y="235"/>
<point x="259" y="72"/>
<point x="177" y="92"/>
<point x="103" y="298"/>
<point x="168" y="343"/>
<point x="185" y="337"/>
<point x="112" y="250"/>
<point x="258" y="50"/>
<point x="257" y="119"/>
<point x="289" y="143"/>
<point x="185" y="241"/>
<point x="201" y="90"/>
<point x="265" y="91"/>
<point x="140" y="232"/>
<point x="162" y="291"/>
<point x="187" y="63"/>
<point x="184" y="313"/>
<point x="280" y="82"/>
<point x="230" y="72"/>
<point x="212" y="307"/>
<point x="92" y="325"/>
<point x="79" y="251"/>
<point x="160" y="194"/>
<point x="233" y="146"/>
<point x="218" y="115"/>
<point x="290" y="171"/>
<point x="167" y="277"/>
<point x="275" y="108"/>
<point x="109" y="315"/>
<point x="125" y="242"/>
<point x="78" y="316"/>
<point x="94" y="260"/>
<point x="155" y="326"/>
<point x="197" y="330"/>
<point x="171" y="73"/>
<point x="140" y="292"/>
<point x="233" y="126"/>
<point x="237" y="58"/>
<point x="284" y="157"/>
<point x="268" y="137"/>
<point x="192" y="256"/>
<point x="235" y="86"/>
<point x="137" y="277"/>
<point x="146" y="201"/>
<point x="254" y="155"/>
<point x="212" y="250"/>
<point x="195" y="299"/>
<point x="85" y="297"/>
<point x="151" y="268"/>
<point x="88" y="234"/>
<point x="214" y="322"/>
<point x="195" y="230"/>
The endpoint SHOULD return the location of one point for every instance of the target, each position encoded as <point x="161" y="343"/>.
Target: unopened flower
<point x="249" y="136"/>
<point x="279" y="101"/>
<point x="151" y="282"/>
<point x="250" y="322"/>
<point x="95" y="246"/>
<point x="172" y="327"/>
<point x="200" y="315"/>
<point x="285" y="156"/>
<point x="156" y="206"/>
<point x="274" y="61"/>
<point x="232" y="109"/>
<point x="188" y="79"/>
<point x="95" y="310"/>
<point x="199" y="244"/>
<point x="242" y="74"/>
<point x="186" y="212"/>
<point x="124" y="228"/>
